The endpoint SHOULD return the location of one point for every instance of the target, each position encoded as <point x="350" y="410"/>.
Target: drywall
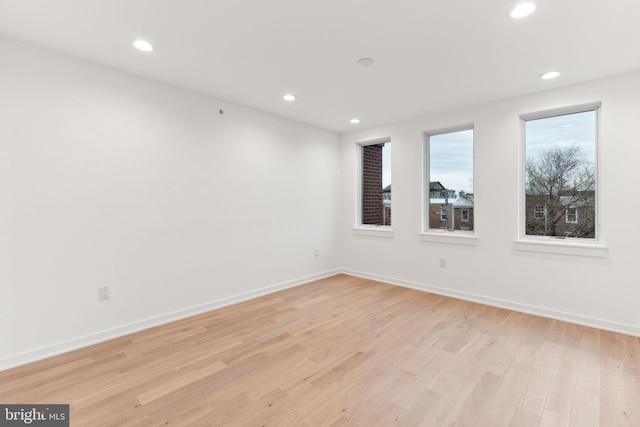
<point x="603" y="292"/>
<point x="109" y="179"/>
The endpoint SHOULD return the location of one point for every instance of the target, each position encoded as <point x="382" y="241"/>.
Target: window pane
<point x="376" y="184"/>
<point x="572" y="215"/>
<point x="450" y="204"/>
<point x="560" y="175"/>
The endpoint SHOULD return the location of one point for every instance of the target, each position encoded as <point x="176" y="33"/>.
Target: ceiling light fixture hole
<point x="143" y="45"/>
<point x="550" y="75"/>
<point x="366" y="62"/>
<point x="522" y="9"/>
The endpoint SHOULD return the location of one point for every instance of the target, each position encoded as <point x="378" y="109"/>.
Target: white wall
<point x="109" y="179"/>
<point x="604" y="292"/>
<point x="106" y="178"/>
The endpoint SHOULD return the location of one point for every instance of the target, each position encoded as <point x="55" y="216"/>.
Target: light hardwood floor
<point x="346" y="351"/>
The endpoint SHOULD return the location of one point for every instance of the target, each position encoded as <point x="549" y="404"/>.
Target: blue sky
<point x="386" y="164"/>
<point x="451" y="160"/>
<point x="451" y="154"/>
<point x="570" y="129"/>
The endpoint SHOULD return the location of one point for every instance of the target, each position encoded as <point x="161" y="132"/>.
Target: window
<point x="560" y="174"/>
<point x="449" y="178"/>
<point x="464" y="215"/>
<point x="571" y="216"/>
<point x="376" y="184"/>
<point x="444" y="214"/>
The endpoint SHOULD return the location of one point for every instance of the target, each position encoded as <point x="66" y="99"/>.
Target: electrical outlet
<point x="443" y="262"/>
<point x="316" y="252"/>
<point x="104" y="293"/>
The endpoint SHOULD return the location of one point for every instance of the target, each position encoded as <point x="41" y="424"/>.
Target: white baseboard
<point x="510" y="305"/>
<point x="98" y="337"/>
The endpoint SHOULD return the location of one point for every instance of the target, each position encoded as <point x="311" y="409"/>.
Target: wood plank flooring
<point x="345" y="351"/>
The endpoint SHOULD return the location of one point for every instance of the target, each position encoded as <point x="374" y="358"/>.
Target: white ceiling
<point x="430" y="55"/>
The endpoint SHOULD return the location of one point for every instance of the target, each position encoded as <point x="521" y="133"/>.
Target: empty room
<point x="338" y="213"/>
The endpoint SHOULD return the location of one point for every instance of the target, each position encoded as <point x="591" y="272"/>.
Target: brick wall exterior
<point x="434" y="215"/>
<point x="386" y="215"/>
<point x="459" y="225"/>
<point x="435" y="222"/>
<point x="372" y="212"/>
<point x="556" y="225"/>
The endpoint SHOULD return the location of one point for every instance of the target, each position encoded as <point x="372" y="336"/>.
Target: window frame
<point x="360" y="229"/>
<point x="559" y="245"/>
<point x="464" y="214"/>
<point x="439" y="235"/>
<point x="567" y="214"/>
<point x="444" y="213"/>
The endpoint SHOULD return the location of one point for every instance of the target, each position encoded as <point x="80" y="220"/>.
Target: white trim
<point x="428" y="234"/>
<point x="577" y="319"/>
<point x="98" y="337"/>
<point x="530" y="243"/>
<point x="448" y="237"/>
<point x="566" y="215"/>
<point x="358" y="187"/>
<point x="562" y="111"/>
<point x="462" y="211"/>
<point x="383" y="231"/>
<point x="442" y="211"/>
<point x="450" y="129"/>
<point x="561" y="246"/>
<point x="375" y="141"/>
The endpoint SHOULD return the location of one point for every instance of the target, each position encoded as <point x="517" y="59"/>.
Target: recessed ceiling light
<point x="354" y="121"/>
<point x="289" y="97"/>
<point x="523" y="9"/>
<point x="550" y="75"/>
<point x="365" y="62"/>
<point x="143" y="45"/>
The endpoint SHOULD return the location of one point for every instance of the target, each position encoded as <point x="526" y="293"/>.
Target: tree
<point x="563" y="181"/>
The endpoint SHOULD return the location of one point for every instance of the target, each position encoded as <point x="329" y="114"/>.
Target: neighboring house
<point x="386" y="205"/>
<point x="450" y="211"/>
<point x="438" y="191"/>
<point x="463" y="217"/>
<point x="567" y="215"/>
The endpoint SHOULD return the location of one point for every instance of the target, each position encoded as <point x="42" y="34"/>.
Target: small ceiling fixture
<point x="289" y="97"/>
<point x="354" y="121"/>
<point x="143" y="45"/>
<point x="523" y="9"/>
<point x="365" y="62"/>
<point x="550" y="75"/>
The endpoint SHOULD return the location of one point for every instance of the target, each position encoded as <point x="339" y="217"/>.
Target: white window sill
<point x="561" y="247"/>
<point x="450" y="237"/>
<point x="383" y="231"/>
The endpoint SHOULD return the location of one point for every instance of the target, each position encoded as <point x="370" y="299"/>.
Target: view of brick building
<point x="376" y="200"/>
<point x="448" y="210"/>
<point x="372" y="184"/>
<point x="386" y="205"/>
<point x="567" y="215"/>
